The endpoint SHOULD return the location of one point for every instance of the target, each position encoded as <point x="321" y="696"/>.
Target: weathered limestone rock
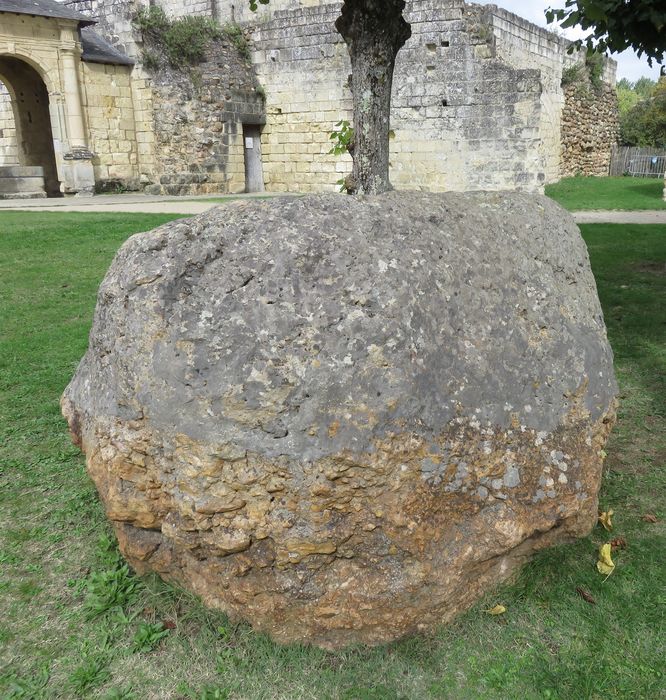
<point x="344" y="419"/>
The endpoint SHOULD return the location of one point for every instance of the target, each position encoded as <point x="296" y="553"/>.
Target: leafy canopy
<point x="644" y="124"/>
<point x="616" y="25"/>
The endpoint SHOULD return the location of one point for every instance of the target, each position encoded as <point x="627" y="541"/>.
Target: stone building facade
<point x="478" y="103"/>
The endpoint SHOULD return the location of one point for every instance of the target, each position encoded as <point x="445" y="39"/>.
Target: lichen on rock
<point x="343" y="419"/>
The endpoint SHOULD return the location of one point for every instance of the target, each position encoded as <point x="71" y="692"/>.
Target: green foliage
<point x="644" y="87"/>
<point x="237" y="37"/>
<point x="586" y="74"/>
<point x="626" y="96"/>
<point x="254" y="5"/>
<point x="148" y="635"/>
<point x="594" y="63"/>
<point x="177" y="42"/>
<point x="343" y="142"/>
<point x="29" y="688"/>
<point x="616" y="25"/>
<point x="342" y="137"/>
<point x="91" y="672"/>
<point x="112" y="590"/>
<point x="208" y="692"/>
<point x="573" y="75"/>
<point x="644" y="124"/>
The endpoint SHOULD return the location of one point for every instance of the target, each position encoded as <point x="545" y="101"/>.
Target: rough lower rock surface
<point x="344" y="419"/>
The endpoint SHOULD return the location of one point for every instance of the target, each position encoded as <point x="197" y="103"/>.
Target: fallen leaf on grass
<point x="605" y="519"/>
<point x="649" y="518"/>
<point x="585" y="595"/>
<point x="497" y="610"/>
<point x="618" y="543"/>
<point x="605" y="563"/>
<point x="169" y="624"/>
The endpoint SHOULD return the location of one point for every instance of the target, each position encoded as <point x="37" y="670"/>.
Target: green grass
<point x="75" y="623"/>
<point x="608" y="193"/>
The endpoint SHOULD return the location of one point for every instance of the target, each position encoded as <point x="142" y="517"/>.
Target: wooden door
<point x="254" y="173"/>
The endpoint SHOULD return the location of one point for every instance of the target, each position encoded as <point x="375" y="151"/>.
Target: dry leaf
<point x="649" y="518"/>
<point x="619" y="543"/>
<point x="169" y="624"/>
<point x="605" y="563"/>
<point x="585" y="595"/>
<point x="605" y="519"/>
<point x="497" y="610"/>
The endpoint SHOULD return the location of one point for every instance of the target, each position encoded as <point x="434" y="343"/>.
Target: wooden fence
<point x="638" y="162"/>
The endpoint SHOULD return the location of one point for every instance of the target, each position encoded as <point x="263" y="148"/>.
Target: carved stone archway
<point x="40" y="58"/>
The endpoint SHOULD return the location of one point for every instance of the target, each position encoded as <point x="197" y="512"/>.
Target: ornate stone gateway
<point x="41" y="69"/>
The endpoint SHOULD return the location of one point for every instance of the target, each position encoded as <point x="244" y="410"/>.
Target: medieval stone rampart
<point x="462" y="118"/>
<point x="590" y="126"/>
<point x="478" y="101"/>
<point x="198" y="117"/>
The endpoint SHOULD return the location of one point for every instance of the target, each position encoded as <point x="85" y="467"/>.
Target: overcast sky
<point x="629" y="65"/>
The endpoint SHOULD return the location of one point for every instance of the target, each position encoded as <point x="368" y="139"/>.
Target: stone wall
<point x="521" y="43"/>
<point x="8" y="145"/>
<point x="114" y="20"/>
<point x="462" y="119"/>
<point x="109" y="109"/>
<point x="189" y="122"/>
<point x="198" y="116"/>
<point x="590" y="127"/>
<point x="477" y="101"/>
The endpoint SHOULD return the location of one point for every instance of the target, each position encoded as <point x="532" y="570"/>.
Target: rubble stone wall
<point x="198" y="116"/>
<point x="189" y="135"/>
<point x="590" y="127"/>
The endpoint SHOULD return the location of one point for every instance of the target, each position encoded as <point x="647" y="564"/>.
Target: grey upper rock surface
<point x="449" y="311"/>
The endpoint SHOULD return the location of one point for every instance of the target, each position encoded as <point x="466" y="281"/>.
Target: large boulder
<point x="343" y="419"/>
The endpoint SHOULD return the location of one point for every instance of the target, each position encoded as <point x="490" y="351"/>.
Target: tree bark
<point x="374" y="31"/>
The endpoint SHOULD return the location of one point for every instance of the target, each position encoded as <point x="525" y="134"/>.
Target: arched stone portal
<point x="41" y="68"/>
<point x="32" y="120"/>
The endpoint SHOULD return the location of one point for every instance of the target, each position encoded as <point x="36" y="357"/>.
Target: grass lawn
<point x="620" y="193"/>
<point x="75" y="623"/>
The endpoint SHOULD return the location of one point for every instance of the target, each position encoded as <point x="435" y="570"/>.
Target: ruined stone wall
<point x="522" y="44"/>
<point x="188" y="123"/>
<point x="198" y="116"/>
<point x="590" y="127"/>
<point x="8" y="145"/>
<point x="114" y="20"/>
<point x="461" y="118"/>
<point x="477" y="99"/>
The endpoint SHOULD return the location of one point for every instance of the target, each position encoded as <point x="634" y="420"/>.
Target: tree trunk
<point x="374" y="31"/>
